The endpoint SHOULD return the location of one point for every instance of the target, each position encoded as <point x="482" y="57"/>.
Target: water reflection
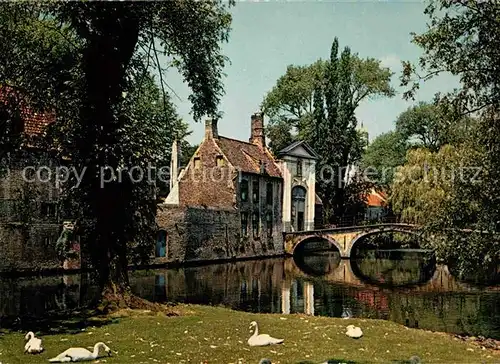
<point x="395" y="268"/>
<point x="409" y="290"/>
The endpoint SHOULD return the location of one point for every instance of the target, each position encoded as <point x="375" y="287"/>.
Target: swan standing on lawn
<point x="262" y="339"/>
<point x="34" y="344"/>
<point x="80" y="354"/>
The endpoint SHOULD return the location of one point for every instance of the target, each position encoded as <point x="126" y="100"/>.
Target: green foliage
<point x="462" y="39"/>
<point x="422" y="122"/>
<point x="279" y="135"/>
<point x="432" y="126"/>
<point x="423" y="184"/>
<point x="290" y="99"/>
<point x="382" y="156"/>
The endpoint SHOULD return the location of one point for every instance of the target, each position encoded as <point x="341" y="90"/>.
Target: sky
<point x="266" y="37"/>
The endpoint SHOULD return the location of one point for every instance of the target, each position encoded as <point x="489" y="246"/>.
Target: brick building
<point x="29" y="198"/>
<point x="235" y="199"/>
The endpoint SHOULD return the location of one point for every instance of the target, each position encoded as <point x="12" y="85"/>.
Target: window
<point x="269" y="193"/>
<point x="255" y="191"/>
<point x="48" y="241"/>
<point x="299" y="168"/>
<point x="219" y="160"/>
<point x="49" y="209"/>
<point x="244" y="190"/>
<point x="269" y="223"/>
<point x="244" y="224"/>
<point x="255" y="224"/>
<point x="197" y="162"/>
<point x="161" y="244"/>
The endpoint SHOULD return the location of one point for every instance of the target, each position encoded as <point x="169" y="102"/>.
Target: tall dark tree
<point x="328" y="173"/>
<point x="318" y="119"/>
<point x="111" y="46"/>
<point x="340" y="144"/>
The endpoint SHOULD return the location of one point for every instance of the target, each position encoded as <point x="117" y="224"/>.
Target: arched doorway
<point x="298" y="208"/>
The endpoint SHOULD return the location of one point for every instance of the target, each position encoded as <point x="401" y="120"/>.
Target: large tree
<point x="111" y="46"/>
<point x="463" y="39"/>
<point x="423" y="126"/>
<point x="317" y="103"/>
<point x="291" y="100"/>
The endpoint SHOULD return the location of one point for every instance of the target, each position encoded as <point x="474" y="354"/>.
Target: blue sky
<point x="268" y="36"/>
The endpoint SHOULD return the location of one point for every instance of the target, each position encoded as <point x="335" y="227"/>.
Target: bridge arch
<point x="308" y="238"/>
<point x="359" y="238"/>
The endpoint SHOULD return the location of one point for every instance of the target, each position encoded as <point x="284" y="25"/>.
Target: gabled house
<point x="300" y="202"/>
<point x="235" y="199"/>
<point x="238" y="187"/>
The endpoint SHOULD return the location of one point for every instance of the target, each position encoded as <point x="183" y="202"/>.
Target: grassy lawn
<point x="217" y="335"/>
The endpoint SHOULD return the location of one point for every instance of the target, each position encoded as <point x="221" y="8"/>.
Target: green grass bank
<point x="202" y="334"/>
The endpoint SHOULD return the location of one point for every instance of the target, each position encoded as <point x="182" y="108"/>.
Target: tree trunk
<point x="111" y="40"/>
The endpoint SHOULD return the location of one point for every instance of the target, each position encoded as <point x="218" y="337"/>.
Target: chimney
<point x="257" y="130"/>
<point x="211" y="129"/>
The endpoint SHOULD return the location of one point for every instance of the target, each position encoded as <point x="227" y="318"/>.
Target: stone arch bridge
<point x="343" y="238"/>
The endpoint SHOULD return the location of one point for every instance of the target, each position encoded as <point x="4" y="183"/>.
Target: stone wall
<point x="198" y="234"/>
<point x="28" y="248"/>
<point x="29" y="213"/>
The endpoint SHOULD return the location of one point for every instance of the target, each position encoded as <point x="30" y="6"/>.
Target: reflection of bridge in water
<point x="342" y="271"/>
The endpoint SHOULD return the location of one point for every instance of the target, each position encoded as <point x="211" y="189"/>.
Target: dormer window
<point x="219" y="160"/>
<point x="197" y="162"/>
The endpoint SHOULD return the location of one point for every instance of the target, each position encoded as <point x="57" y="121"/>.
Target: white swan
<point x="354" y="332"/>
<point x="262" y="339"/>
<point x="80" y="354"/>
<point x="34" y="344"/>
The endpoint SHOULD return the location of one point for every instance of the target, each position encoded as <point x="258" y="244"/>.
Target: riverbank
<point x="203" y="334"/>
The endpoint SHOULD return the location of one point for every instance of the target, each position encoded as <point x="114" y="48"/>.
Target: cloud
<point x="391" y="61"/>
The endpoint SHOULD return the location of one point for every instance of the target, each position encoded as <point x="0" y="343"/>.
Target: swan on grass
<point x="354" y="332"/>
<point x="80" y="354"/>
<point x="262" y="339"/>
<point x="34" y="344"/>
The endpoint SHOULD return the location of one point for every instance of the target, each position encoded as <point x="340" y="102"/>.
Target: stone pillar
<point x="308" y="298"/>
<point x="311" y="195"/>
<point x="285" y="296"/>
<point x="287" y="196"/>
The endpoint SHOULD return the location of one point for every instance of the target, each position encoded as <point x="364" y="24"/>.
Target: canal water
<point x="406" y="287"/>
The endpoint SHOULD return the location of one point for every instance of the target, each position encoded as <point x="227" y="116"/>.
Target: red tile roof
<point x="34" y="122"/>
<point x="246" y="156"/>
<point x="376" y="199"/>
